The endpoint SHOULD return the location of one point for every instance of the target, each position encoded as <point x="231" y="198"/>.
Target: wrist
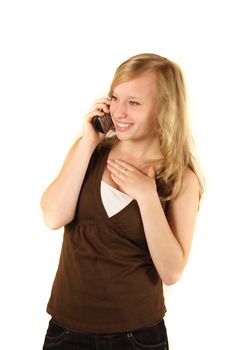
<point x="88" y="144"/>
<point x="147" y="197"/>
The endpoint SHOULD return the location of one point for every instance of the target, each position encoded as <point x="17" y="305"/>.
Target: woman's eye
<point x="134" y="103"/>
<point x="114" y="98"/>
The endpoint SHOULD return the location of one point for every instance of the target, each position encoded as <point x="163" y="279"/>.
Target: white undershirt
<point x="113" y="199"/>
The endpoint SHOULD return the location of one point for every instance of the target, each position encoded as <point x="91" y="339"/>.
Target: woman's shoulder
<point x="189" y="182"/>
<point x="189" y="178"/>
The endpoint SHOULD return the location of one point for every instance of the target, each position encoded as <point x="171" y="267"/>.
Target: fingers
<point x="100" y="108"/>
<point x="117" y="170"/>
<point x="104" y="100"/>
<point x="120" y="169"/>
<point x="101" y="105"/>
<point x="118" y="166"/>
<point x="88" y="118"/>
<point x="121" y="166"/>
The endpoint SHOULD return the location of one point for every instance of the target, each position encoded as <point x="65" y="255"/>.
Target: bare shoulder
<point x="189" y="183"/>
<point x="188" y="195"/>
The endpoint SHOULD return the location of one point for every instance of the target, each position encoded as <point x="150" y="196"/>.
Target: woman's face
<point x="133" y="108"/>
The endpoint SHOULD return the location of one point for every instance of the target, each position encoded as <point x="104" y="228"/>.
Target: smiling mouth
<point x="123" y="126"/>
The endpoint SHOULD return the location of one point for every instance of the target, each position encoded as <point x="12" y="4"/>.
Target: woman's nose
<point x="119" y="112"/>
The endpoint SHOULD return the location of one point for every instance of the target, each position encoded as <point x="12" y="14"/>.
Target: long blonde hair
<point x="174" y="134"/>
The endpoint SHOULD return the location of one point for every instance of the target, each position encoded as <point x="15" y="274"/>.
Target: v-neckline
<point x="98" y="191"/>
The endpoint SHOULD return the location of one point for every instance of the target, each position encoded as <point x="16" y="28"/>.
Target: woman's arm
<point x="59" y="201"/>
<point x="168" y="237"/>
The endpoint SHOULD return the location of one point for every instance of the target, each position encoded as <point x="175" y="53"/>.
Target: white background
<point x="56" y="58"/>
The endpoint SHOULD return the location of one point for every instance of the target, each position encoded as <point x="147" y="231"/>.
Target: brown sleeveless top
<point x="106" y="281"/>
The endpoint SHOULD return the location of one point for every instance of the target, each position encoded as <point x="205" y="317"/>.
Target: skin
<point x="131" y="166"/>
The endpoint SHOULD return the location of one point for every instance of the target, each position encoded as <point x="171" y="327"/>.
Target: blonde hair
<point x="173" y="130"/>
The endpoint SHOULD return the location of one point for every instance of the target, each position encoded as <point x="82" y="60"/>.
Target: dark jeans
<point x="59" y="337"/>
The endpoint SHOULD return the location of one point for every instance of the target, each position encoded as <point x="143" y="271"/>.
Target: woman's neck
<point x="142" y="150"/>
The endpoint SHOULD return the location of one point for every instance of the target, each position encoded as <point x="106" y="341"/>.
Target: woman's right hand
<point x="100" y="107"/>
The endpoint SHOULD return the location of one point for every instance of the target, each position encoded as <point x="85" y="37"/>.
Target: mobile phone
<point x="102" y="124"/>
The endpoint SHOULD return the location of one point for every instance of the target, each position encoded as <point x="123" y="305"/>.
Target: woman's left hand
<point x="136" y="183"/>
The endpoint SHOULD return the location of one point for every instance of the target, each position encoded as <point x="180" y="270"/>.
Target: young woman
<point x="128" y="203"/>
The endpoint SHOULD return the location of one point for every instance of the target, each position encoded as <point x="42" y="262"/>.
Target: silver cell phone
<point x="102" y="124"/>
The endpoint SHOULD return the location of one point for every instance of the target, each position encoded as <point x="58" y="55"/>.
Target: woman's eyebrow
<point x="133" y="97"/>
<point x="136" y="97"/>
